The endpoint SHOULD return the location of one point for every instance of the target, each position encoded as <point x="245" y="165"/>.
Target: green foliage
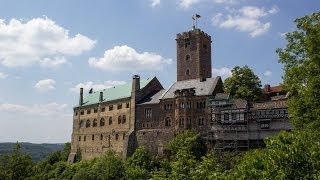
<point x="109" y="166"/>
<point x="15" y="165"/>
<point x="243" y="84"/>
<point x="139" y="165"/>
<point x="289" y="155"/>
<point x="188" y="141"/>
<point x="208" y="168"/>
<point x="182" y="165"/>
<point x="301" y="60"/>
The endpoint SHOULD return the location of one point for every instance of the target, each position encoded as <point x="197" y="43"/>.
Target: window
<point x="89" y="111"/>
<point x="94" y="123"/>
<point x="189" y="120"/>
<point x="201" y="105"/>
<point x="119" y="106"/>
<point x="264" y="125"/>
<point x="201" y="121"/>
<point x="103" y="109"/>
<point x="167" y="122"/>
<point x="234" y="116"/>
<point x="188" y="58"/>
<point x="226" y="116"/>
<point x="117" y="137"/>
<point x="143" y="125"/>
<point x="95" y="110"/>
<point x="123" y="119"/>
<point x="123" y="136"/>
<point x="148" y="113"/>
<point x="88" y="123"/>
<point x="101" y="137"/>
<point x="79" y="138"/>
<point x="110" y="107"/>
<point x="127" y="105"/>
<point x="84" y="138"/>
<point x="181" y="121"/>
<point x="188" y="105"/>
<point x="218" y="117"/>
<point x="181" y="105"/>
<point x="110" y="120"/>
<point x="167" y="106"/>
<point x="82" y="112"/>
<point x="92" y="137"/>
<point x="205" y="47"/>
<point x="187" y="43"/>
<point x="102" y="122"/>
<point x="119" y="119"/>
<point x="81" y="124"/>
<point x="187" y="72"/>
<point x="76" y="113"/>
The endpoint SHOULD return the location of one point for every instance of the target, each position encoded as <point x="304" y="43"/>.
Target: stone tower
<point x="193" y="55"/>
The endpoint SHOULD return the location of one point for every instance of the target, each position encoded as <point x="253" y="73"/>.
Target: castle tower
<point x="193" y="55"/>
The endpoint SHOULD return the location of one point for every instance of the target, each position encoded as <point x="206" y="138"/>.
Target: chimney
<point x="267" y="88"/>
<point x="101" y="97"/>
<point x="81" y="97"/>
<point x="135" y="83"/>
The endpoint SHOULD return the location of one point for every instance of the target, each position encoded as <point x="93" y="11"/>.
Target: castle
<point x="145" y="114"/>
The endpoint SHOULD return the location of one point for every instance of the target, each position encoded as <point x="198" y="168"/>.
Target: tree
<point x="208" y="168"/>
<point x="188" y="141"/>
<point x="139" y="165"/>
<point x="243" y="84"/>
<point x="301" y="60"/>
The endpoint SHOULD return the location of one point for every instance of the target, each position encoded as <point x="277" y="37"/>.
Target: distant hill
<point x="36" y="151"/>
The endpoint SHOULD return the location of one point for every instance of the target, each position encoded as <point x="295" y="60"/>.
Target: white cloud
<point x="155" y="3"/>
<point x="88" y="85"/>
<point x="224" y="1"/>
<point x="247" y="19"/>
<point x="38" y="123"/>
<point x="36" y="109"/>
<point x="267" y="73"/>
<point x="45" y="85"/>
<point x="224" y="72"/>
<point x="283" y="35"/>
<point x="3" y="75"/>
<point x="185" y="4"/>
<point x="38" y="41"/>
<point x="127" y="58"/>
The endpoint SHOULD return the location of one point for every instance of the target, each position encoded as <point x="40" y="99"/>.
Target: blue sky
<point x="48" y="49"/>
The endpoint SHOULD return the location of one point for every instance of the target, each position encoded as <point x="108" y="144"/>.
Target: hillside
<point x="36" y="151"/>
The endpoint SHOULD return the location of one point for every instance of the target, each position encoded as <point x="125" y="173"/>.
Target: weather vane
<point x="194" y="21"/>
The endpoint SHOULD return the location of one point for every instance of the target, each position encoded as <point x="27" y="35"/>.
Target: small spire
<point x="195" y="17"/>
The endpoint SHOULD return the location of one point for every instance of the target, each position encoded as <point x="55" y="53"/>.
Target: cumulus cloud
<point x="128" y="59"/>
<point x="96" y="86"/>
<point x="224" y="72"/>
<point x="246" y="19"/>
<point x="267" y="73"/>
<point x="45" y="85"/>
<point x="3" y="75"/>
<point x="36" y="109"/>
<point x="155" y="3"/>
<point x="185" y="4"/>
<point x="38" y="41"/>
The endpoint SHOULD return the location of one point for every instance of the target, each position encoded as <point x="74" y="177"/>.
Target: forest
<point x="287" y="155"/>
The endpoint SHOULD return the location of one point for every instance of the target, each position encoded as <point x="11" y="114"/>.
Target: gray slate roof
<point x="152" y="99"/>
<point x="202" y="88"/>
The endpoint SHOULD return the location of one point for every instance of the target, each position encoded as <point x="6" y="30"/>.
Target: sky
<point x="49" y="49"/>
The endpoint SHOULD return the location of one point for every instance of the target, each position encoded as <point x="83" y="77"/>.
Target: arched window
<point x="188" y="57"/>
<point x="119" y="120"/>
<point x="117" y="137"/>
<point x="94" y="123"/>
<point x="167" y="122"/>
<point x="123" y="119"/>
<point x="88" y="123"/>
<point x="79" y="138"/>
<point x="181" y="121"/>
<point x="123" y="136"/>
<point x="101" y="137"/>
<point x="110" y="120"/>
<point x="187" y="72"/>
<point x="81" y="124"/>
<point x="102" y="122"/>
